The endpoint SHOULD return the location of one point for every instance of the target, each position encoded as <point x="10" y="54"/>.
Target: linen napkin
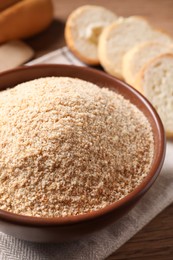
<point x="101" y="244"/>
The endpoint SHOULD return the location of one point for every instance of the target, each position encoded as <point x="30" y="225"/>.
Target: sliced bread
<point x="156" y="83"/>
<point x="119" y="37"/>
<point x="139" y="55"/>
<point x="83" y="28"/>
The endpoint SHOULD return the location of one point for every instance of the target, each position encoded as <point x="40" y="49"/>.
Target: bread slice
<point x="139" y="55"/>
<point x="120" y="36"/>
<point x="13" y="54"/>
<point x="156" y="83"/>
<point x="83" y="28"/>
<point x="25" y="19"/>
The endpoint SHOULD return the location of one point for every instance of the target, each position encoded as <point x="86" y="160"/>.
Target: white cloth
<point x="101" y="244"/>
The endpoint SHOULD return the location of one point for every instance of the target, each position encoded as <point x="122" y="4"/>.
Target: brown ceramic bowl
<point x="66" y="228"/>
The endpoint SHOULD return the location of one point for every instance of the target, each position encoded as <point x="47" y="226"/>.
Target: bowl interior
<point x="16" y="76"/>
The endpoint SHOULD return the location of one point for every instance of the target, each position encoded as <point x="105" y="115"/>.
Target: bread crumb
<point x="68" y="147"/>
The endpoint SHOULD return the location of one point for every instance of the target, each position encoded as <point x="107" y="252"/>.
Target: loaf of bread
<point x="24" y="19"/>
<point x="83" y="28"/>
<point x="119" y="37"/>
<point x="155" y="81"/>
<point x="136" y="58"/>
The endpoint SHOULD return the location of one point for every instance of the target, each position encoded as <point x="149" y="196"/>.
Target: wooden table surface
<point x="155" y="241"/>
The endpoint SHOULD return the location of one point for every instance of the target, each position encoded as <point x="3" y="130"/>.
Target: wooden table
<point x="155" y="241"/>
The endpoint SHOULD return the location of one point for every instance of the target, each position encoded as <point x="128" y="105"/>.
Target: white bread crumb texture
<point x="156" y="82"/>
<point x="83" y="28"/>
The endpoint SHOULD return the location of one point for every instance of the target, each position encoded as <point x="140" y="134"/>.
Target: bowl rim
<point x="128" y="199"/>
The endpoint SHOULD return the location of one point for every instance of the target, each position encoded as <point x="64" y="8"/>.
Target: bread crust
<point x="140" y="77"/>
<point x="24" y="19"/>
<point x="71" y="43"/>
<point x="104" y="61"/>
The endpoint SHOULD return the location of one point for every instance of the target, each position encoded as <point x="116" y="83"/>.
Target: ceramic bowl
<point x="60" y="229"/>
